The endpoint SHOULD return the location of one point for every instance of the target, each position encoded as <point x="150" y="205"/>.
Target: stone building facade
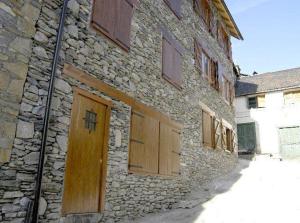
<point x="90" y="61"/>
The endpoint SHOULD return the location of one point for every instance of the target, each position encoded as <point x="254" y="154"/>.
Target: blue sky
<point x="271" y="29"/>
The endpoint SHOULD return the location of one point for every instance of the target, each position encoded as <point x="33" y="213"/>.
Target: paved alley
<point x="262" y="191"/>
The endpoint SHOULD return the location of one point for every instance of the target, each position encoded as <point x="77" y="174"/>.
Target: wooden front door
<point x="85" y="173"/>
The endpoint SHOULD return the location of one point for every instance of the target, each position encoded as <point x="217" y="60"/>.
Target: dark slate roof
<point x="267" y="82"/>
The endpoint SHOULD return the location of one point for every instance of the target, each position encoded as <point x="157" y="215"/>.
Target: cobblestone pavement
<point x="262" y="191"/>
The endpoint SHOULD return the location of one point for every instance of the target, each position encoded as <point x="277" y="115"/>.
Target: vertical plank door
<point x="86" y="159"/>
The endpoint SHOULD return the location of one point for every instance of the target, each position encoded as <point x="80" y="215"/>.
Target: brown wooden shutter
<point x="169" y="154"/>
<point x="217" y="134"/>
<point x="207" y="129"/>
<point x="144" y="143"/>
<point x="175" y="6"/>
<point x="198" y="55"/>
<point x="171" y="60"/>
<point x="123" y="28"/>
<point x="176" y="152"/>
<point x="104" y="15"/>
<point x="167" y="59"/>
<point x="177" y="69"/>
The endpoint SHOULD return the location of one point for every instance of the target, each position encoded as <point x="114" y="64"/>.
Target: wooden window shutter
<point x="198" y="55"/>
<point x="176" y="152"/>
<point x="217" y="134"/>
<point x="144" y="143"/>
<point x="207" y="129"/>
<point x="123" y="28"/>
<point x="104" y="15"/>
<point x="167" y="59"/>
<point x="261" y="102"/>
<point x="169" y="154"/>
<point x="172" y="60"/>
<point x="175" y="6"/>
<point x="113" y="19"/>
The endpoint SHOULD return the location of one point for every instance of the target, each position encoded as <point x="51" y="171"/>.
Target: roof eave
<point x="237" y="34"/>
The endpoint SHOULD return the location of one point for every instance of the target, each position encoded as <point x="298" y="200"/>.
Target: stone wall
<point x="137" y="73"/>
<point x="17" y="27"/>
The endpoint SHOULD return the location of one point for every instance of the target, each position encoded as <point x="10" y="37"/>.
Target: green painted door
<point x="290" y="142"/>
<point x="246" y="137"/>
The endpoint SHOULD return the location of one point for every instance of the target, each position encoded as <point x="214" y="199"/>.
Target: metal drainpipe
<point x="33" y="217"/>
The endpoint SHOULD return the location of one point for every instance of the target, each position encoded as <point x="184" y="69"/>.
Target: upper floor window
<point x="292" y="97"/>
<point x="175" y="6"/>
<point x="207" y="66"/>
<point x="113" y="19"/>
<point x="256" y="102"/>
<point x="203" y="9"/>
<point x="171" y="59"/>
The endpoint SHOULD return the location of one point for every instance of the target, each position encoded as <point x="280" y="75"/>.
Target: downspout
<point x="32" y="217"/>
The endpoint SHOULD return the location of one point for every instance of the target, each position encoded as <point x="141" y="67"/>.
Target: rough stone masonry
<point x="28" y="35"/>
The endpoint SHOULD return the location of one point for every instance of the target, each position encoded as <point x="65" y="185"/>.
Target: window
<point x="217" y="134"/>
<point x="154" y="146"/>
<point x="256" y="102"/>
<point x="175" y="6"/>
<point x="229" y="139"/>
<point x="206" y="66"/>
<point x="292" y="97"/>
<point x="214" y="75"/>
<point x="203" y="9"/>
<point x="171" y="60"/>
<point x="113" y="19"/>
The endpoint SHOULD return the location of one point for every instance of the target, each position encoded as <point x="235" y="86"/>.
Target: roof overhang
<point x="228" y="19"/>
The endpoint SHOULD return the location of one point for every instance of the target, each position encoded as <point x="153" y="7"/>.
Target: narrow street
<point x="262" y="191"/>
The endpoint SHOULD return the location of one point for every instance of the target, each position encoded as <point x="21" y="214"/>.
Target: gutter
<point x="33" y="209"/>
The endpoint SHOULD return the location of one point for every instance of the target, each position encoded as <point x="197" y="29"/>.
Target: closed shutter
<point x="113" y="18"/>
<point x="167" y="59"/>
<point x="124" y="12"/>
<point x="169" y="154"/>
<point x="198" y="55"/>
<point x="177" y="79"/>
<point x="175" y="6"/>
<point x="144" y="143"/>
<point x="176" y="152"/>
<point x="104" y="15"/>
<point x="207" y="129"/>
<point x="171" y="61"/>
<point x="217" y="134"/>
<point x="261" y="102"/>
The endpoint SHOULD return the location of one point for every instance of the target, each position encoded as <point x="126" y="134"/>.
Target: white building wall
<point x="268" y="120"/>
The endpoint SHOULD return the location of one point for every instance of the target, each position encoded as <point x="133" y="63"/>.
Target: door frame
<point x="76" y="92"/>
